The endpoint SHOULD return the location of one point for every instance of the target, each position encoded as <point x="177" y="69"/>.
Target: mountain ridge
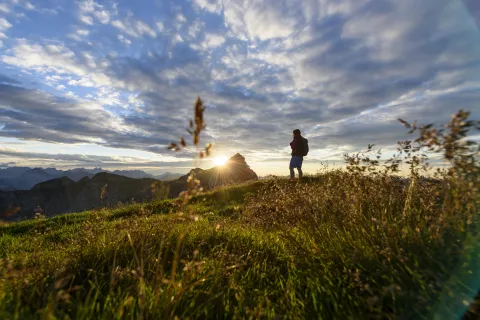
<point x="24" y="178"/>
<point x="105" y="189"/>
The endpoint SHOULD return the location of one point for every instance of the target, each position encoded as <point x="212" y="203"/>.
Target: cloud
<point x="209" y="5"/>
<point x="88" y="160"/>
<point x="32" y="114"/>
<point x="262" y="20"/>
<point x="4" y="8"/>
<point x="160" y="26"/>
<point x="124" y="40"/>
<point x="29" y="6"/>
<point x="35" y="115"/>
<point x="82" y="82"/>
<point x="4" y="24"/>
<point x="213" y="40"/>
<point x="79" y="34"/>
<point x="342" y="71"/>
<point x="89" y="8"/>
<point x="83" y="32"/>
<point x="52" y="57"/>
<point x="181" y="18"/>
<point x="103" y="16"/>
<point x="64" y="157"/>
<point x="86" y="19"/>
<point x="59" y="59"/>
<point x="134" y="28"/>
<point x="62" y="160"/>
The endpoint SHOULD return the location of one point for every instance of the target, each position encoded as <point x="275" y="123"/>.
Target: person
<point x="297" y="154"/>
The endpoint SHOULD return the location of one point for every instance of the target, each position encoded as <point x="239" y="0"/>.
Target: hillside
<point x="266" y="249"/>
<point x="63" y="195"/>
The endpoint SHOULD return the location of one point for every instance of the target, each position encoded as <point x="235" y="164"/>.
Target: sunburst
<point x="220" y="161"/>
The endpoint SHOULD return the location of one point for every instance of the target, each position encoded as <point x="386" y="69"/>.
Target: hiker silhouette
<point x="300" y="149"/>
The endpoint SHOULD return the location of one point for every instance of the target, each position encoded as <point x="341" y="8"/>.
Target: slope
<point x="264" y="249"/>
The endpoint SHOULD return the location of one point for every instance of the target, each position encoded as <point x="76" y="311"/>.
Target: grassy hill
<point x="337" y="245"/>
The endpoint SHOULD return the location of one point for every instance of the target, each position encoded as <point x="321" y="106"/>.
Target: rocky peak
<point x="237" y="159"/>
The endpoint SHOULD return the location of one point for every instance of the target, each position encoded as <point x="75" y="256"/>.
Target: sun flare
<point x="220" y="161"/>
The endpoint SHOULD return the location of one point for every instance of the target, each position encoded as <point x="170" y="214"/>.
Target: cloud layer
<point x="124" y="75"/>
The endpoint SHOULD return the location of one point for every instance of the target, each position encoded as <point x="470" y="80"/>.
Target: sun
<point x="220" y="161"/>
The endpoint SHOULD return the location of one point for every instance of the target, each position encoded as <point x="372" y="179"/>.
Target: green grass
<point x="335" y="246"/>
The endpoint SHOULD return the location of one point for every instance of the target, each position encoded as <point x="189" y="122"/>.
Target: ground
<point x="337" y="245"/>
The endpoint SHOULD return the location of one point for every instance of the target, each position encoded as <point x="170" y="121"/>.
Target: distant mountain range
<point x="24" y="178"/>
<point x="73" y="193"/>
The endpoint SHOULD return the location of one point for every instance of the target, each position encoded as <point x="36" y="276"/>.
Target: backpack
<point x="305" y="147"/>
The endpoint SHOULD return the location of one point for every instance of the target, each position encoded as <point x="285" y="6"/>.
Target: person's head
<point x="296" y="132"/>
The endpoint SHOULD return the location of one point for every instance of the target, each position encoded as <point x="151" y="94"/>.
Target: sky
<point x="110" y="83"/>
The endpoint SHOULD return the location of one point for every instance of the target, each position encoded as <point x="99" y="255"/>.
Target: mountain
<point x="136" y="174"/>
<point x="168" y="176"/>
<point x="234" y="170"/>
<point x="24" y="178"/>
<point x="64" y="194"/>
<point x="77" y="174"/>
<point x="31" y="177"/>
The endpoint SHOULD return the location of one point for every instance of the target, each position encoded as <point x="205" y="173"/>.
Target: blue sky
<point x="110" y="83"/>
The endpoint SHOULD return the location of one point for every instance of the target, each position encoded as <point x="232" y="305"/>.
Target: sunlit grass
<point x="263" y="249"/>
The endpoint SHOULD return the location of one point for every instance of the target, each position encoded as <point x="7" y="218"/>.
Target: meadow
<point x="359" y="242"/>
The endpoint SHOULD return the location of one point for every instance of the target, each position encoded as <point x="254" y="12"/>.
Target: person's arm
<point x="293" y="144"/>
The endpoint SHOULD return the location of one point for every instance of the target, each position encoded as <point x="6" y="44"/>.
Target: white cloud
<point x="195" y="28"/>
<point x="178" y="38"/>
<point x="234" y="18"/>
<point x="160" y="26"/>
<point x="51" y="57"/>
<point x="61" y="87"/>
<point x="4" y="24"/>
<point x="134" y="28"/>
<point x="209" y="5"/>
<point x="103" y="16"/>
<point x="263" y="19"/>
<point x="181" y="18"/>
<point x="89" y="8"/>
<point x="29" y="6"/>
<point x="4" y="8"/>
<point x="124" y="40"/>
<point x="143" y="28"/>
<point x="64" y="62"/>
<point x="84" y="82"/>
<point x="108" y="97"/>
<point x="268" y="22"/>
<point x="83" y="32"/>
<point x="86" y="19"/>
<point x="121" y="26"/>
<point x="79" y="34"/>
<point x="213" y="40"/>
<point x="58" y="59"/>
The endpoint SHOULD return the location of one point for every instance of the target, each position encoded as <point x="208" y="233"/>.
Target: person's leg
<point x="292" y="166"/>
<point x="299" y="167"/>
